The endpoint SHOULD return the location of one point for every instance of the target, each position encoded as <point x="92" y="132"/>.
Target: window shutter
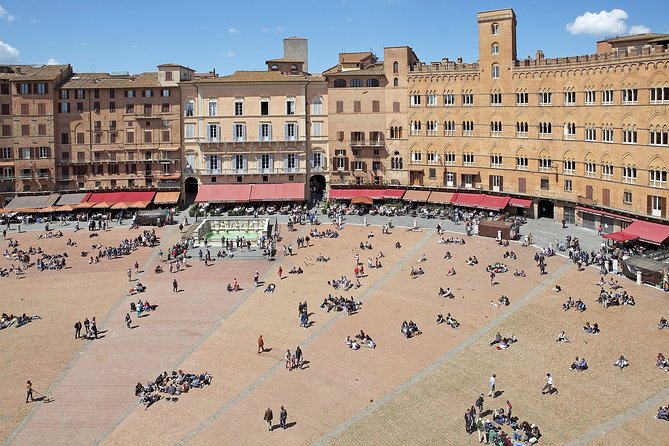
<point x="522" y="186"/>
<point x="260" y="135"/>
<point x="244" y="163"/>
<point x="334" y="161"/>
<point x="649" y="204"/>
<point x="285" y="163"/>
<point x="489" y="182"/>
<point x="340" y="136"/>
<point x="285" y="132"/>
<point x="346" y="166"/>
<point x="243" y="132"/>
<point x="663" y="207"/>
<point x="606" y="197"/>
<point x="501" y="183"/>
<point x="297" y="132"/>
<point x="269" y="133"/>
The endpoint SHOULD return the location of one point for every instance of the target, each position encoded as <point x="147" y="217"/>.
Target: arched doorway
<point x="546" y="209"/>
<point x="316" y="188"/>
<point x="190" y="187"/>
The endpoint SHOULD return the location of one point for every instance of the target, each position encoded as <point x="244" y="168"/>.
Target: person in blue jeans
<point x="304" y="319"/>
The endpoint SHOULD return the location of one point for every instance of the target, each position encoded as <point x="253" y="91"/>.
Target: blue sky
<point x="136" y="36"/>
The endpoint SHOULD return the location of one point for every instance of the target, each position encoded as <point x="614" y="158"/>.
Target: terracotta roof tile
<point x="33" y="72"/>
<point x="260" y="76"/>
<point x="105" y="80"/>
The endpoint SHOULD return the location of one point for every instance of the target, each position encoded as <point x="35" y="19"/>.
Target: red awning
<point x="493" y="202"/>
<point x="520" y="203"/>
<point x="376" y="194"/>
<point x="468" y="200"/>
<point x="603" y="213"/>
<point x="120" y="197"/>
<point x="648" y="232"/>
<point x="277" y="192"/>
<point x="223" y="193"/>
<point x="620" y="236"/>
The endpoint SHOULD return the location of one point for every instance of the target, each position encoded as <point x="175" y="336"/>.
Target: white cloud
<point x="52" y="61"/>
<point x="276" y="29"/>
<point x="639" y="29"/>
<point x="230" y="54"/>
<point x="8" y="53"/>
<point x="6" y="15"/>
<point x="599" y="23"/>
<point x="233" y="31"/>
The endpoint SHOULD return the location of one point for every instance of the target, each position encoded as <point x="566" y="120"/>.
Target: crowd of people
<point x="7" y="320"/>
<point x="362" y="339"/>
<point x="172" y="385"/>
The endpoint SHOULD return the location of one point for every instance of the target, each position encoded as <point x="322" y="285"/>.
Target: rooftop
<point x="32" y="72"/>
<point x="259" y="76"/>
<point x="634" y="37"/>
<point x="106" y="80"/>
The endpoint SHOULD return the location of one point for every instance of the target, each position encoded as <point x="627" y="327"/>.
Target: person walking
<point x="256" y="278"/>
<point x="136" y="267"/>
<point x="508" y="412"/>
<point x="298" y="356"/>
<point x="129" y="275"/>
<point x="269" y="416"/>
<point x="77" y="330"/>
<point x="492" y="386"/>
<point x="289" y="362"/>
<point x="479" y="404"/>
<point x="261" y="345"/>
<point x="175" y="285"/>
<point x="548" y="387"/>
<point x="86" y="325"/>
<point x="280" y="272"/>
<point x="29" y="391"/>
<point x="128" y="321"/>
<point x="94" y="328"/>
<point x="283" y="416"/>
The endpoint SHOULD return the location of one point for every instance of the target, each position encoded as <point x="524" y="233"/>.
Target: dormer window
<point x="293" y="68"/>
<point x="274" y="67"/>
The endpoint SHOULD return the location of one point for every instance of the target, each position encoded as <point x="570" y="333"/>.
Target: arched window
<point x="293" y="68"/>
<point x="494" y="28"/>
<point x="372" y="82"/>
<point x="340" y="83"/>
<point x="356" y="83"/>
<point x="396" y="82"/>
<point x="274" y="67"/>
<point x="495" y="71"/>
<point x="317" y="105"/>
<point x="494" y="49"/>
<point x="396" y="67"/>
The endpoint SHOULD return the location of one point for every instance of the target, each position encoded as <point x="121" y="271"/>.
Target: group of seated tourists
<point x="501" y="302"/>
<point x="360" y="340"/>
<point x="510" y="254"/>
<point x="450" y="272"/>
<point x="141" y="307"/>
<point x="138" y="288"/>
<point x="328" y="233"/>
<point x="297" y="270"/>
<point x="7" y="320"/>
<point x="579" y="364"/>
<point x="449" y="320"/>
<point x="592" y="329"/>
<point x="519" y="273"/>
<point x="173" y="384"/>
<point x="452" y="240"/>
<point x="343" y="282"/>
<point x="662" y="413"/>
<point x="578" y="305"/>
<point x="341" y="304"/>
<point x="471" y="261"/>
<point x="322" y="258"/>
<point x="496" y="268"/>
<point x="365" y="245"/>
<point x="446" y="293"/>
<point x="502" y="343"/>
<point x="52" y="262"/>
<point x="409" y="329"/>
<point x="663" y="323"/>
<point x="662" y="362"/>
<point x="607" y="299"/>
<point x="416" y="272"/>
<point x="50" y="234"/>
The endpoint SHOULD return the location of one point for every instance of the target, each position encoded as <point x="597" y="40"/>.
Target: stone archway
<point x="317" y="186"/>
<point x="546" y="209"/>
<point x="190" y="188"/>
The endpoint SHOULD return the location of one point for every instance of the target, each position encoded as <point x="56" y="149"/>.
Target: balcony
<point x="255" y="171"/>
<point x="26" y="176"/>
<point x="364" y="143"/>
<point x="7" y="178"/>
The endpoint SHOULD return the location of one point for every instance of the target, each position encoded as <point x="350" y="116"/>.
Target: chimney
<point x="539" y="55"/>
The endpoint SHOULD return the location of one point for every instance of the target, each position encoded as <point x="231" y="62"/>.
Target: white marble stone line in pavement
<point x="248" y="389"/>
<point x="180" y="360"/>
<point x="599" y="431"/>
<point x="166" y="240"/>
<point x="445" y="358"/>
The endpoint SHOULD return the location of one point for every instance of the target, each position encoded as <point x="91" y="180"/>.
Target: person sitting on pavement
<point x="621" y="362"/>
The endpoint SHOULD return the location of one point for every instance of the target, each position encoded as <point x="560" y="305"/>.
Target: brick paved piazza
<point x="411" y="391"/>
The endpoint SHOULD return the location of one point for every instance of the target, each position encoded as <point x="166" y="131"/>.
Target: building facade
<point x="27" y="126"/>
<point x="368" y="117"/>
<point x="257" y="126"/>
<point x="583" y="135"/>
<point x="120" y="131"/>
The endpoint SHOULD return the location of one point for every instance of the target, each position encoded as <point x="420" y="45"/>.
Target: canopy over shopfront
<point x="224" y="193"/>
<point x="119" y="197"/>
<point x="277" y="192"/>
<point x="493" y="203"/>
<point x="620" y="236"/>
<point x="467" y="200"/>
<point x="440" y="197"/>
<point x="71" y="199"/>
<point x="520" y="203"/>
<point x="418" y="196"/>
<point x="648" y="232"/>
<point x="32" y="201"/>
<point x="167" y="197"/>
<point x="375" y="194"/>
